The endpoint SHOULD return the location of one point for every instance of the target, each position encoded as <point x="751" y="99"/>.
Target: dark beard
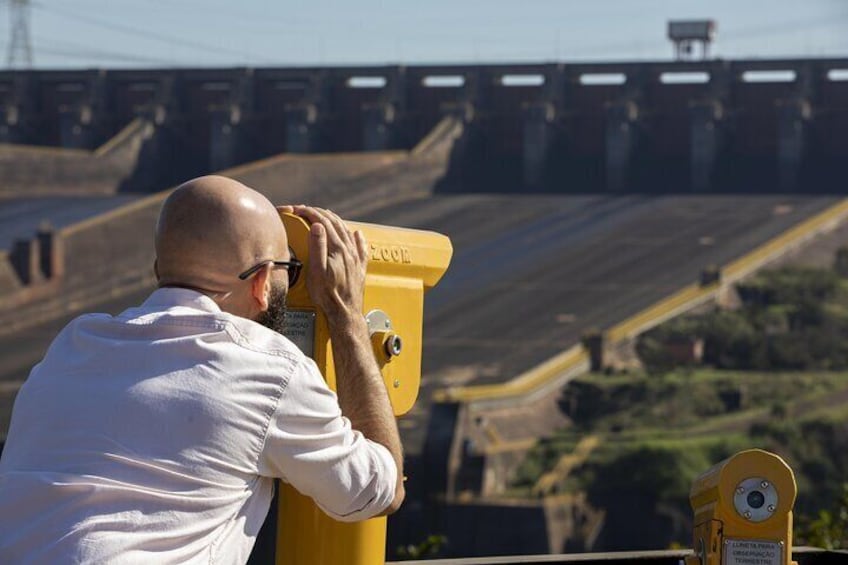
<point x="275" y="316"/>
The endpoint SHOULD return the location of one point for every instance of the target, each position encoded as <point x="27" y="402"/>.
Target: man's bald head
<point x="211" y="229"/>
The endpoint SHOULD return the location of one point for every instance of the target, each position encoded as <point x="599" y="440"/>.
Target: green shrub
<point x="791" y="319"/>
<point x="652" y="346"/>
<point x="731" y="341"/>
<point x="829" y="528"/>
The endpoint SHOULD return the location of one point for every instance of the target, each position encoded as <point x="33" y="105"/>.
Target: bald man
<point x="154" y="436"/>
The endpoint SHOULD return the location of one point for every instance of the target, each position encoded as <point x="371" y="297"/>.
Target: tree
<point x="829" y="529"/>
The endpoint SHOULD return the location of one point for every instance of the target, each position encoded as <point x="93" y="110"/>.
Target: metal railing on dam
<point x="801" y="555"/>
<point x="664" y="126"/>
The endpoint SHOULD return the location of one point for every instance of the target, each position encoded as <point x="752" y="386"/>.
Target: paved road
<point x="531" y="273"/>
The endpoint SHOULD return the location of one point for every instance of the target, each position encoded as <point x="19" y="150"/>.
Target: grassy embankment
<point x="657" y="433"/>
<point x="774" y="375"/>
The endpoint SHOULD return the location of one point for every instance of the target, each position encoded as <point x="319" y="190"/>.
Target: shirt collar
<point x="173" y="296"/>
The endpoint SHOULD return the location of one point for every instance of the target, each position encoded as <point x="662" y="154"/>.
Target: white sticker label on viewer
<point x="752" y="552"/>
<point x="300" y="329"/>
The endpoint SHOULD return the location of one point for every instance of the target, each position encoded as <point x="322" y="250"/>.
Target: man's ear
<point x="261" y="287"/>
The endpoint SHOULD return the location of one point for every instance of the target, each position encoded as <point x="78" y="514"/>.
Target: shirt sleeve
<point x="310" y="445"/>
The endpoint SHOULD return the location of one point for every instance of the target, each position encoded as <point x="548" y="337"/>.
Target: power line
<point x="89" y="56"/>
<point x="70" y="50"/>
<point x="138" y="32"/>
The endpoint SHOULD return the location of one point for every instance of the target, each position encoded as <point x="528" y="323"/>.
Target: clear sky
<point x="145" y="33"/>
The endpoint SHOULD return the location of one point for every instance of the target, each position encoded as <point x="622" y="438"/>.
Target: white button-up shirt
<point x="154" y="437"/>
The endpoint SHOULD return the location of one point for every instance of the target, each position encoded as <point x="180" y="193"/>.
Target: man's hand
<point x="337" y="263"/>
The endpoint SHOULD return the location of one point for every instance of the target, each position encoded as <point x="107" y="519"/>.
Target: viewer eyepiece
<point x="756" y="499"/>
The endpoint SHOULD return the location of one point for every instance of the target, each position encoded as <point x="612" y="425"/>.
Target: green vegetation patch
<point x="684" y="399"/>
<point x="789" y="319"/>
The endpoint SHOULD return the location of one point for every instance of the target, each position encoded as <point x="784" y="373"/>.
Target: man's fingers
<point x="361" y="246"/>
<point x="338" y="261"/>
<point x="317" y="216"/>
<point x="337" y="231"/>
<point x="287" y="209"/>
<point x="339" y="225"/>
<point x="308" y="213"/>
<point x="318" y="249"/>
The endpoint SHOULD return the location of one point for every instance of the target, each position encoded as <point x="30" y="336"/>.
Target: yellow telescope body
<point x="403" y="265"/>
<point x="743" y="511"/>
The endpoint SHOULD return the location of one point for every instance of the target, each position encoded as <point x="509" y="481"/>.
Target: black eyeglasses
<point x="293" y="267"/>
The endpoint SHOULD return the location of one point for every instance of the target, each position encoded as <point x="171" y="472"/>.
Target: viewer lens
<point x="756" y="499"/>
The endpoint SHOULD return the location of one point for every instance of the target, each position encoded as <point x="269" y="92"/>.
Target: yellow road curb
<point x="806" y="229"/>
<point x="664" y="309"/>
<point x="521" y="385"/>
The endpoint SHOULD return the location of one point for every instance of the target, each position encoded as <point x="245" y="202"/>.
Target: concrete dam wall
<point x="710" y="126"/>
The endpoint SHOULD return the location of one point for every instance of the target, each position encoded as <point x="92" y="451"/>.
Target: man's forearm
<point x="362" y="393"/>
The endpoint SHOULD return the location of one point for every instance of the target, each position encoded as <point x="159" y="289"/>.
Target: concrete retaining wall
<point x="9" y="281"/>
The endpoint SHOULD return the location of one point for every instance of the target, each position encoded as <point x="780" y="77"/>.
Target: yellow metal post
<point x="403" y="265"/>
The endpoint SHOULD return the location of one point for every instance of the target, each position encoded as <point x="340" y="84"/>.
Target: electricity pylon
<point x="20" y="48"/>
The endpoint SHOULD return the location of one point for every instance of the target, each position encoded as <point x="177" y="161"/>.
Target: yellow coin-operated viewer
<point x="743" y="511"/>
<point x="402" y="266"/>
